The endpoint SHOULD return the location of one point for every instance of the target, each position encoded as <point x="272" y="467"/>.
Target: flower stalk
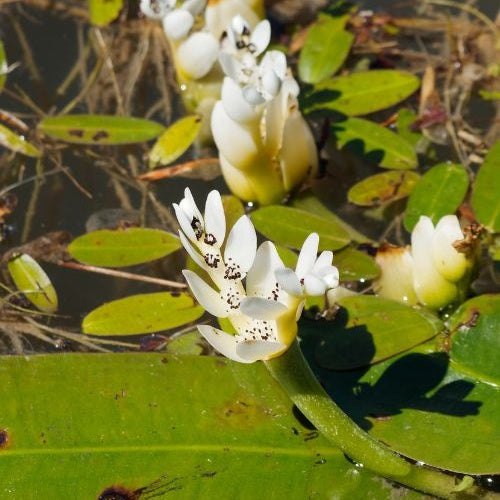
<point x="293" y="373"/>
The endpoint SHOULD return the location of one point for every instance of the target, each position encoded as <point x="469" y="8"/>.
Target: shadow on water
<point x="411" y="381"/>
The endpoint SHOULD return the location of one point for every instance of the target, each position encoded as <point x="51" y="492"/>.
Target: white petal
<point x="195" y="7"/>
<point x="231" y="66"/>
<point x="260" y="308"/>
<point x="235" y="105"/>
<point x="253" y="96"/>
<point x="239" y="25"/>
<point x="222" y="342"/>
<point x="241" y="244"/>
<point x="219" y="14"/>
<point x="307" y="255"/>
<point x="257" y="350"/>
<point x="314" y="286"/>
<point x="192" y="252"/>
<point x="236" y="180"/>
<point x="271" y="83"/>
<point x="189" y="206"/>
<point x="177" y="24"/>
<point x="238" y="143"/>
<point x="275" y="60"/>
<point x="184" y="222"/>
<point x="261" y="279"/>
<point x="450" y="263"/>
<point x="324" y="260"/>
<point x="208" y="298"/>
<point x="330" y="275"/>
<point x="197" y="54"/>
<point x="289" y="281"/>
<point x="261" y="36"/>
<point x="215" y="219"/>
<point x="156" y="9"/>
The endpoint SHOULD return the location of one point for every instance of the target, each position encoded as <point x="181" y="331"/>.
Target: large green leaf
<point x="439" y="192"/>
<point x="383" y="188"/>
<point x="354" y="265"/>
<point x="14" y="142"/>
<point x="143" y="313"/>
<point x="100" y="129"/>
<point x="369" y="329"/>
<point x="175" y="141"/>
<point x="123" y="247"/>
<point x="475" y="328"/>
<point x="485" y="200"/>
<point x="374" y="143"/>
<point x="326" y="47"/>
<point x="290" y="227"/>
<point x="33" y="282"/>
<point x="362" y="93"/>
<point x="162" y="426"/>
<point x="102" y="12"/>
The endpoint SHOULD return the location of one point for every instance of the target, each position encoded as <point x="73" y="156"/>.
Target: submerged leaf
<point x="439" y="192"/>
<point x="326" y="48"/>
<point x="100" y="129"/>
<point x="33" y="282"/>
<point x="374" y="143"/>
<point x="123" y="247"/>
<point x="174" y="141"/>
<point x="17" y="143"/>
<point x="144" y="313"/>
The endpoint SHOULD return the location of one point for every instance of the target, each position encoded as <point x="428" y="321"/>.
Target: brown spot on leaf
<point x="4" y="439"/>
<point x="76" y="132"/>
<point x="100" y="134"/>
<point x="118" y="493"/>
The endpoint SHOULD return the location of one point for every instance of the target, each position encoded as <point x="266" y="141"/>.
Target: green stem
<point x="294" y="375"/>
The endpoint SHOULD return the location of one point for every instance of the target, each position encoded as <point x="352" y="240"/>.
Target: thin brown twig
<point x="121" y="274"/>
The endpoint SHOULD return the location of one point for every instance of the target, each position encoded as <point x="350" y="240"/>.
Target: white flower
<point x="219" y="14"/>
<point x="178" y="23"/>
<point x="261" y="311"/>
<point x="431" y="272"/>
<point x="157" y="9"/>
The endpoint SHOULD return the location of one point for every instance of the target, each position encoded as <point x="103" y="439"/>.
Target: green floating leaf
<point x="371" y="329"/>
<point x="17" y="143"/>
<point x="32" y="281"/>
<point x="439" y="192"/>
<point x="374" y="143"/>
<point x="3" y="65"/>
<point x="326" y="48"/>
<point x="144" y="313"/>
<point x="123" y="247"/>
<point x="405" y="120"/>
<point x="162" y="426"/>
<point x="100" y="129"/>
<point x="174" y="141"/>
<point x="190" y="344"/>
<point x="310" y="203"/>
<point x="475" y="328"/>
<point x="425" y="408"/>
<point x="102" y="12"/>
<point x="362" y="93"/>
<point x="485" y="200"/>
<point x="290" y="227"/>
<point x="354" y="265"/>
<point x="383" y="188"/>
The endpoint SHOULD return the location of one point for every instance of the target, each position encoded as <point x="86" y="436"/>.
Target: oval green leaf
<point x="102" y="12"/>
<point x="369" y="329"/>
<point x="383" y="188"/>
<point x="17" y="143"/>
<point x="174" y="141"/>
<point x="439" y="192"/>
<point x="326" y="48"/>
<point x="143" y="313"/>
<point x="166" y="427"/>
<point x="485" y="200"/>
<point x="475" y="328"/>
<point x="100" y="129"/>
<point x="290" y="227"/>
<point x="374" y="143"/>
<point x="33" y="282"/>
<point x="123" y="247"/>
<point x="362" y="93"/>
<point x="354" y="265"/>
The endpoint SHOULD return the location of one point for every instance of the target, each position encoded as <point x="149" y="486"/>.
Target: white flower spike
<point x="261" y="310"/>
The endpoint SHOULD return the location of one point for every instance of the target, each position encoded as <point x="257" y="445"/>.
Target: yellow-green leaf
<point x="102" y="12"/>
<point x="3" y="66"/>
<point x="144" y="313"/>
<point x="123" y="247"/>
<point x="174" y="141"/>
<point x="100" y="129"/>
<point x="33" y="282"/>
<point x="17" y="143"/>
